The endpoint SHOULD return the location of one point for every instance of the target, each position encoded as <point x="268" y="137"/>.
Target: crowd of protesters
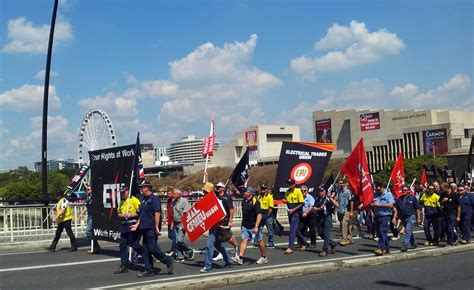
<point x="445" y="211"/>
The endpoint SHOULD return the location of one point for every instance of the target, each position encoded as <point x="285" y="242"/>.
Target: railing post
<point x="11" y="224"/>
<point x="75" y="220"/>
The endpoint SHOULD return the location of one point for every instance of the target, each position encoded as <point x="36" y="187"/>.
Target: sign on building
<point x="251" y="142"/>
<point x="323" y="131"/>
<point x="369" y="121"/>
<point x="435" y="141"/>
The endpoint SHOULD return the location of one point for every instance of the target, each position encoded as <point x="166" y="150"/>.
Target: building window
<point x="279" y="137"/>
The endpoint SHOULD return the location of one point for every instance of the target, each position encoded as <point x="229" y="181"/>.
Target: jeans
<point x="431" y="220"/>
<point x="182" y="245"/>
<point x="128" y="238"/>
<point x="90" y="232"/>
<point x="212" y="245"/>
<point x="151" y="248"/>
<point x="59" y="230"/>
<point x="409" y="237"/>
<point x="294" y="233"/>
<point x="450" y="224"/>
<point x="269" y="225"/>
<point x="369" y="223"/>
<point x="382" y="223"/>
<point x="324" y="231"/>
<point x="172" y="237"/>
<point x="466" y="226"/>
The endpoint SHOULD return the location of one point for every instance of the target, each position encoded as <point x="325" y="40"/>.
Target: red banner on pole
<point x="202" y="216"/>
<point x="398" y="176"/>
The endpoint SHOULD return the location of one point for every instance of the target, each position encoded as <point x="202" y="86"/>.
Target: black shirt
<point x="449" y="206"/>
<point x="319" y="201"/>
<point x="250" y="212"/>
<point x="228" y="204"/>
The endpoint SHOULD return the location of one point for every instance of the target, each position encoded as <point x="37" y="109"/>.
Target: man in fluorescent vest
<point x="64" y="219"/>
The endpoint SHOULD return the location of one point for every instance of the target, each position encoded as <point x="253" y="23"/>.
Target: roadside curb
<point x="295" y="271"/>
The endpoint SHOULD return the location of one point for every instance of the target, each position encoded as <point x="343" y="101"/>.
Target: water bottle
<point x="252" y="239"/>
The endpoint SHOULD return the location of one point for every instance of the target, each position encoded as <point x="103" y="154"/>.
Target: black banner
<point x="430" y="172"/>
<point x="304" y="162"/>
<point x="110" y="169"/>
<point x="240" y="175"/>
<point x="449" y="175"/>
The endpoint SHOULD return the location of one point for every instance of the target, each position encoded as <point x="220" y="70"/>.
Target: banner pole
<point x="390" y="179"/>
<point x="205" y="170"/>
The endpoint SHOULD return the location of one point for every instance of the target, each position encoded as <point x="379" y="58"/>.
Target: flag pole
<point x="205" y="170"/>
<point x="390" y="179"/>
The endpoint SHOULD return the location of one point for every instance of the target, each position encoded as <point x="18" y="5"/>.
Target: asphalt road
<point x="455" y="271"/>
<point x="39" y="269"/>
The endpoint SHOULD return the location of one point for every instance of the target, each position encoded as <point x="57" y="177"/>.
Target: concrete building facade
<point x="388" y="132"/>
<point x="264" y="142"/>
<point x="188" y="151"/>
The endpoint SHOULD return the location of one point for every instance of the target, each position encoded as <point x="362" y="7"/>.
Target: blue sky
<point x="165" y="67"/>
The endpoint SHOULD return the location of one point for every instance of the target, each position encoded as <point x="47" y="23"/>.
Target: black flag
<point x="329" y="185"/>
<point x="138" y="174"/>
<point x="240" y="175"/>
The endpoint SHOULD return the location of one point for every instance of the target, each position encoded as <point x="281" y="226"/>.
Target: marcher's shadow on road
<point x="397" y="284"/>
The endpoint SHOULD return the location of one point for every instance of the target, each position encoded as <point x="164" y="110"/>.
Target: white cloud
<point x="41" y="74"/>
<point x="350" y="46"/>
<point x="24" y="37"/>
<point x="115" y="105"/>
<point x="408" y="90"/>
<point x="28" y="98"/>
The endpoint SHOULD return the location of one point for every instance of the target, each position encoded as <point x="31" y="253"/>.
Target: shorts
<point x="248" y="233"/>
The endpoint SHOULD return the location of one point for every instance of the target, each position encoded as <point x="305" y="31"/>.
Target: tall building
<point x="188" y="151"/>
<point x="58" y="164"/>
<point x="264" y="142"/>
<point x="388" y="132"/>
<point x="148" y="154"/>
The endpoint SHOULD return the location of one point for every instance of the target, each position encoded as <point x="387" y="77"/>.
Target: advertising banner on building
<point x="202" y="216"/>
<point x="323" y="131"/>
<point x="304" y="162"/>
<point x="251" y="142"/>
<point x="369" y="121"/>
<point x="435" y="141"/>
<point x="110" y="169"/>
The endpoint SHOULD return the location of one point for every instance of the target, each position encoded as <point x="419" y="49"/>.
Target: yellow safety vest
<point x="67" y="214"/>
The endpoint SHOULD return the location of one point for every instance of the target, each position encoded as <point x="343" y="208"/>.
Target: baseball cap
<point x="291" y="181"/>
<point x="123" y="188"/>
<point x="145" y="184"/>
<point x="250" y="189"/>
<point x="220" y="184"/>
<point x="263" y="186"/>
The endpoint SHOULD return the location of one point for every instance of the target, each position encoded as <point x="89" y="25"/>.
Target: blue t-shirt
<point x="308" y="201"/>
<point x="407" y="206"/>
<point x="385" y="198"/>
<point x="148" y="207"/>
<point x="344" y="197"/>
<point x="467" y="203"/>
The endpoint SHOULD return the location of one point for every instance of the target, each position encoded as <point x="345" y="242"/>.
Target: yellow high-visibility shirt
<point x="63" y="203"/>
<point x="130" y="206"/>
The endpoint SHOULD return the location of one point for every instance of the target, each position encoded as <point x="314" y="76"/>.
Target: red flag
<point x="398" y="176"/>
<point x="208" y="149"/>
<point x="424" y="179"/>
<point x="357" y="173"/>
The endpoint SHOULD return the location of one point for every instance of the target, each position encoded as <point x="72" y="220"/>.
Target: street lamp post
<point x="44" y="143"/>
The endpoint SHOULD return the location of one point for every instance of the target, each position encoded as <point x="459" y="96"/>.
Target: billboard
<point x="110" y="169"/>
<point x="323" y="131"/>
<point x="435" y="141"/>
<point x="304" y="162"/>
<point x="369" y="121"/>
<point x="251" y="142"/>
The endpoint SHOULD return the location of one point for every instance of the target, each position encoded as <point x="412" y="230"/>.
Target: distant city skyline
<point x="165" y="68"/>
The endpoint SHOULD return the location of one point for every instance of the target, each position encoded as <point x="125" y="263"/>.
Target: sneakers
<point x="122" y="269"/>
<point x="191" y="256"/>
<point x="179" y="260"/>
<point x="170" y="268"/>
<point x="394" y="238"/>
<point x="288" y="251"/>
<point x="262" y="260"/>
<point x="323" y="254"/>
<point x="145" y="274"/>
<point x="428" y="243"/>
<point x="205" y="270"/>
<point x="218" y="257"/>
<point x="380" y="252"/>
<point x="238" y="260"/>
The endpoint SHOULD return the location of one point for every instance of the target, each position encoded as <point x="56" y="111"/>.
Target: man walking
<point x="451" y="212"/>
<point x="89" y="229"/>
<point x="149" y="226"/>
<point x="383" y="209"/>
<point x="345" y="213"/>
<point x="180" y="207"/>
<point x="408" y="210"/>
<point x="64" y="220"/>
<point x="467" y="204"/>
<point x="324" y="205"/>
<point x="432" y="209"/>
<point x="294" y="201"/>
<point x="265" y="198"/>
<point x="169" y="220"/>
<point x="251" y="226"/>
<point x="308" y="219"/>
<point x="128" y="213"/>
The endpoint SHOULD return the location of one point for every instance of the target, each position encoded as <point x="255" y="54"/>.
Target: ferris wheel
<point x="96" y="132"/>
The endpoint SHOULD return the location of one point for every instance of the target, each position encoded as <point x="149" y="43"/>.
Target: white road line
<point x="58" y="265"/>
<point x="246" y="270"/>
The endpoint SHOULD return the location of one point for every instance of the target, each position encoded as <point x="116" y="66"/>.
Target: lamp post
<point x="44" y="143"/>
